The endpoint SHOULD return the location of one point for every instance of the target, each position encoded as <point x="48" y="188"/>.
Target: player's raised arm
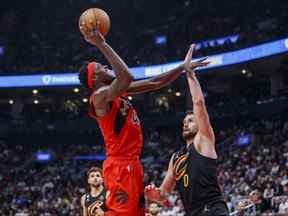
<point x="162" y="80"/>
<point x="123" y="76"/>
<point x="199" y="107"/>
<point x="155" y="83"/>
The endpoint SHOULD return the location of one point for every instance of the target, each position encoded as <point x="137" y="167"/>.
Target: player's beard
<point x="188" y="134"/>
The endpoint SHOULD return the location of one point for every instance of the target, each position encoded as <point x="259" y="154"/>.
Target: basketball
<point x="91" y="17"/>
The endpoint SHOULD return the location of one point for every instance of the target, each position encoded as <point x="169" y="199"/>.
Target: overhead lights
<point x="76" y="90"/>
<point x="178" y="94"/>
<point x="35" y="91"/>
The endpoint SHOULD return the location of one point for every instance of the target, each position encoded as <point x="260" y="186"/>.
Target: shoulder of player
<point x="99" y="96"/>
<point x="205" y="146"/>
<point x="82" y="200"/>
<point x="202" y="139"/>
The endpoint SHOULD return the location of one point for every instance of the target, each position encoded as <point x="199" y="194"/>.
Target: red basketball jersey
<point x="120" y="127"/>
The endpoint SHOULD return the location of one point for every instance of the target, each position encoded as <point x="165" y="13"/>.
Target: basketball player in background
<point x="119" y="123"/>
<point x="193" y="169"/>
<point x="93" y="202"/>
<point x="154" y="210"/>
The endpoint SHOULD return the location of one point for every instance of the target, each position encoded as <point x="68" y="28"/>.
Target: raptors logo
<point x="121" y="197"/>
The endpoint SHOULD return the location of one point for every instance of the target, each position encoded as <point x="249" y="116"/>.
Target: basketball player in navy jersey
<point x="93" y="202"/>
<point x="193" y="169"/>
<point x="154" y="210"/>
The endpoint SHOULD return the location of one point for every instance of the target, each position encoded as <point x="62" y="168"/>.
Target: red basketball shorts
<point x="123" y="179"/>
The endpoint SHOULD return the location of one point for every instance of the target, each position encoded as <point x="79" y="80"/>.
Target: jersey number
<point x="186" y="180"/>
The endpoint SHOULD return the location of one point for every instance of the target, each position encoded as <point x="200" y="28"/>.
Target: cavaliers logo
<point x="92" y="209"/>
<point x="180" y="166"/>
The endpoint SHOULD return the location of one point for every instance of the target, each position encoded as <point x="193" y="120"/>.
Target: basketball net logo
<point x="46" y="79"/>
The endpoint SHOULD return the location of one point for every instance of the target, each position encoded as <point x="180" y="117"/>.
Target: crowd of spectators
<point x="254" y="174"/>
<point x="43" y="36"/>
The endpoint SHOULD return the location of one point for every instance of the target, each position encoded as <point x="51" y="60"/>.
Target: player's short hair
<point x="82" y="76"/>
<point x="189" y="112"/>
<point x="93" y="169"/>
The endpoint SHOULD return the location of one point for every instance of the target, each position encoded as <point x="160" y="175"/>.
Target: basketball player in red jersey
<point x="120" y="125"/>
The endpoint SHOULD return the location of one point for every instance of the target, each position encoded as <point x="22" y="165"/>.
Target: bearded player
<point x="120" y="125"/>
<point x="93" y="202"/>
<point x="193" y="168"/>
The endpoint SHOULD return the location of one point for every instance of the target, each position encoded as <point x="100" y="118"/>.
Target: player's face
<point x="95" y="179"/>
<point x="103" y="74"/>
<point x="190" y="126"/>
<point x="154" y="209"/>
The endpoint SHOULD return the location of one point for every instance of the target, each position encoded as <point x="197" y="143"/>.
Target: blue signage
<point x="2" y="51"/>
<point x="219" y="60"/>
<point x="217" y="41"/>
<point x="43" y="156"/>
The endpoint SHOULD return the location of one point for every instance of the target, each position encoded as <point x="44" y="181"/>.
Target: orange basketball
<point x="91" y="17"/>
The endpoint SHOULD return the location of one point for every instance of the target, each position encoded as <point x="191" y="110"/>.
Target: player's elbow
<point x="127" y="79"/>
<point x="130" y="77"/>
<point x="125" y="82"/>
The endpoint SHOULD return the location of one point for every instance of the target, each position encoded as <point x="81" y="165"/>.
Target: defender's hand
<point x="190" y="66"/>
<point x="153" y="194"/>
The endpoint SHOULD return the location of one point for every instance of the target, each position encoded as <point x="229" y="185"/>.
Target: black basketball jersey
<point x="93" y="203"/>
<point x="196" y="179"/>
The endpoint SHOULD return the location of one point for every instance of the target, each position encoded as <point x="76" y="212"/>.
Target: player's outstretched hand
<point x="94" y="36"/>
<point x="189" y="66"/>
<point x="152" y="193"/>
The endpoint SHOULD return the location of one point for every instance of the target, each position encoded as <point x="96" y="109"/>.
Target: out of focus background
<point x="47" y="141"/>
